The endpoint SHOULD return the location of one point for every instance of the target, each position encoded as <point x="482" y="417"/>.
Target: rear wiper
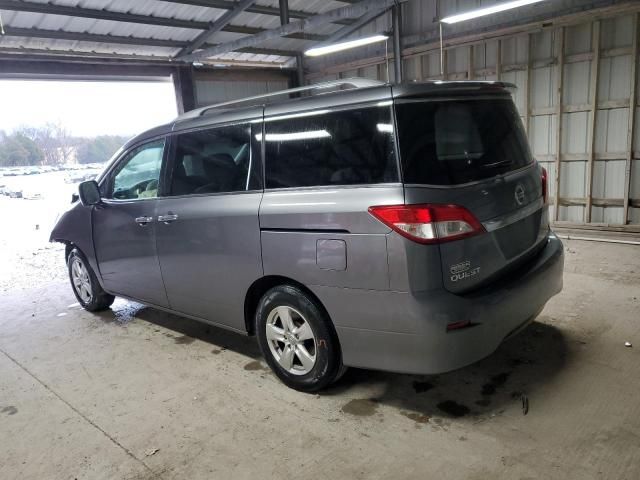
<point x="497" y="164"/>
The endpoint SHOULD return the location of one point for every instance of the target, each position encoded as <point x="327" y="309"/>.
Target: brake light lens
<point x="429" y="223"/>
<point x="545" y="185"/>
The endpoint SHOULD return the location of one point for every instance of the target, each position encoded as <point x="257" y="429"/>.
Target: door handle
<point x="167" y="219"/>
<point x="143" y="221"/>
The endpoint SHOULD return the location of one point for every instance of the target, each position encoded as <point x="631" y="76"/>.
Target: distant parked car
<point x="401" y="228"/>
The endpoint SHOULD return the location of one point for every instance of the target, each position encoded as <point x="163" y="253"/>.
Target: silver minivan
<point x="392" y="227"/>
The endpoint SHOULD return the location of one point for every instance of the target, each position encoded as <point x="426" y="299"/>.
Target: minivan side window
<point x="216" y="160"/>
<point x="138" y="175"/>
<point x="349" y="147"/>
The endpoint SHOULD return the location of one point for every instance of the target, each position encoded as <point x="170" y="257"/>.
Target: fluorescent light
<point x="337" y="47"/>
<point x="384" y="127"/>
<point x="286" y="137"/>
<point x="481" y="12"/>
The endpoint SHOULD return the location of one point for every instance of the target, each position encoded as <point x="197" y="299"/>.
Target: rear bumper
<point x="406" y="332"/>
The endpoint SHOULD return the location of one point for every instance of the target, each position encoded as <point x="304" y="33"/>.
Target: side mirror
<point x="89" y="193"/>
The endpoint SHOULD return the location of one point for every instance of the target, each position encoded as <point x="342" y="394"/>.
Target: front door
<point x="208" y="234"/>
<point x="124" y="227"/>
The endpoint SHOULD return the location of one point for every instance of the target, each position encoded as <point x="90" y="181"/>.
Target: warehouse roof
<point x="155" y="29"/>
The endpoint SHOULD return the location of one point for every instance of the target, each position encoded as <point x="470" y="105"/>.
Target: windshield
<point x="459" y="141"/>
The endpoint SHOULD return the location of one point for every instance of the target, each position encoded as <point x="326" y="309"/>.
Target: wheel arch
<point x="264" y="284"/>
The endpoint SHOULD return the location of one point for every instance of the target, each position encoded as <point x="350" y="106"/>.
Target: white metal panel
<point x="543" y="87"/>
<point x="577" y="83"/>
<point x="635" y="179"/>
<point x="574" y="132"/>
<point x="457" y="60"/>
<point x="578" y="39"/>
<point x="615" y="73"/>
<point x="616" y="32"/>
<point x="574" y="214"/>
<point x="210" y="91"/>
<point x="514" y="50"/>
<point x="611" y="131"/>
<point x="541" y="135"/>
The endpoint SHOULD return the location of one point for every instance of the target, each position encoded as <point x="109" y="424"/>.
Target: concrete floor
<point x="135" y="393"/>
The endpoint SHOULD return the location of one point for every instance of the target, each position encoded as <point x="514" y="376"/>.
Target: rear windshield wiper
<point x="497" y="164"/>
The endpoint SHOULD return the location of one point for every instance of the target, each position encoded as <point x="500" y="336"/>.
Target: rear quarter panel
<point x="296" y="223"/>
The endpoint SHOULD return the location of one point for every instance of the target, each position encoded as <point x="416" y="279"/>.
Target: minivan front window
<point x="138" y="175"/>
<point x="453" y="142"/>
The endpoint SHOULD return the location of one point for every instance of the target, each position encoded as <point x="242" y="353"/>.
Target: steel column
<point x="396" y="20"/>
<point x="185" y="89"/>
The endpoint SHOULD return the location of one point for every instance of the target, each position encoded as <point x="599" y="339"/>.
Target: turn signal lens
<point x="429" y="223"/>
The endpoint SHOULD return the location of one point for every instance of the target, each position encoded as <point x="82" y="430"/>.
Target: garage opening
<point x="55" y="134"/>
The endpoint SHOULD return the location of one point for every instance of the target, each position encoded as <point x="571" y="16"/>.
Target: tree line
<point x="52" y="144"/>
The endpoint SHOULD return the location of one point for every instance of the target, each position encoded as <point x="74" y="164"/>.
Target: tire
<point x="297" y="339"/>
<point x="85" y="285"/>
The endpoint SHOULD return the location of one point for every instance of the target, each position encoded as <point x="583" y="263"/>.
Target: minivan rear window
<point x="450" y="142"/>
<point x="321" y="148"/>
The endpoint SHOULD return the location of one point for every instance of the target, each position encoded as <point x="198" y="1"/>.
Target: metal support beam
<point x="261" y="9"/>
<point x="148" y="42"/>
<point x="499" y="60"/>
<point x="185" y="89"/>
<point x="216" y="26"/>
<point x="284" y="12"/>
<point x="633" y="101"/>
<point x="97" y="14"/>
<point x="396" y="19"/>
<point x="299" y="27"/>
<point x="593" y="100"/>
<point x="284" y="20"/>
<point x="559" y="87"/>
<point x="527" y="89"/>
<point x="357" y="25"/>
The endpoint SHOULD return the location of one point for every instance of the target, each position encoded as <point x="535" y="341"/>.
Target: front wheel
<point x="297" y="339"/>
<point x="85" y="285"/>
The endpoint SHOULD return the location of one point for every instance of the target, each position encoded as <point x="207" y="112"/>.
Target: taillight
<point x="545" y="185"/>
<point x="429" y="223"/>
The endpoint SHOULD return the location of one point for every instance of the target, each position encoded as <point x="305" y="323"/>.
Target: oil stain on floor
<point x="184" y="340"/>
<point x="255" y="365"/>
<point x="421" y="387"/>
<point x="452" y="408"/>
<point x="361" y="407"/>
<point x="416" y="417"/>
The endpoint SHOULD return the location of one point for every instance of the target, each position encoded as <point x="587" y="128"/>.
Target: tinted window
<point x="213" y="161"/>
<point x="453" y="142"/>
<point x="138" y="174"/>
<point x="341" y="148"/>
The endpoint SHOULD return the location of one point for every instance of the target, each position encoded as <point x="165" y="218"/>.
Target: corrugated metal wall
<point x="211" y="88"/>
<point x="594" y="62"/>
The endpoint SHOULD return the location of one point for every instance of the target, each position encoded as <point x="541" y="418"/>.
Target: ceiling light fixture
<point x="338" y="47"/>
<point x="481" y="12"/>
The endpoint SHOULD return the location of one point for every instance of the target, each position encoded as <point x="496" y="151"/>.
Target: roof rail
<point x="353" y="82"/>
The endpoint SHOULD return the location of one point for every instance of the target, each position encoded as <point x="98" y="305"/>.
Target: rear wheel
<point x="85" y="285"/>
<point x="297" y="339"/>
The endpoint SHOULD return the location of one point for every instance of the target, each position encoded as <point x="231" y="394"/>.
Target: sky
<point x="87" y="108"/>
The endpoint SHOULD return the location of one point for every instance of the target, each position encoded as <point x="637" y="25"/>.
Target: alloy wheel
<point x="81" y="281"/>
<point x="291" y="340"/>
